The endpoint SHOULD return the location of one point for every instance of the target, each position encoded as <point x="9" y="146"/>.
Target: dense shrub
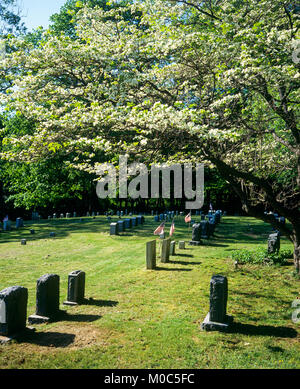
<point x="261" y="256"/>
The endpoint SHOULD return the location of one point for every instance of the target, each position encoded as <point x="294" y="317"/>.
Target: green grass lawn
<point x="142" y="318"/>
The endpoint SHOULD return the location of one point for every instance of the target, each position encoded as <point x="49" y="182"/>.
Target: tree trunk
<point x="296" y="242"/>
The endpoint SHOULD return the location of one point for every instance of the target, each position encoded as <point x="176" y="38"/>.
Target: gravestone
<point x="204" y="229"/>
<point x="218" y="217"/>
<point x="139" y="219"/>
<point x="114" y="229"/>
<point x="23" y="242"/>
<point x="152" y="213"/>
<point x="161" y="217"/>
<point x="133" y="221"/>
<point x="151" y="255"/>
<point x="49" y="217"/>
<point x="121" y="226"/>
<point x="74" y="214"/>
<point x="52" y="234"/>
<point x="76" y="286"/>
<point x="196" y="235"/>
<point x="88" y="214"/>
<point x="54" y="216"/>
<point x="32" y="232"/>
<point x="181" y="213"/>
<point x="13" y="310"/>
<point x="273" y="243"/>
<point x="68" y="215"/>
<point x="172" y="247"/>
<point x="181" y="245"/>
<point x="176" y="213"/>
<point x="156" y="218"/>
<point x="217" y="318"/>
<point x="19" y="222"/>
<point x="62" y="216"/>
<point x="47" y="299"/>
<point x="165" y="250"/>
<point x="6" y="225"/>
<point x="127" y="223"/>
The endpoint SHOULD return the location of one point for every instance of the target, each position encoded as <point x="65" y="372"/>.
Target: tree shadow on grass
<point x="168" y="269"/>
<point x="263" y="330"/>
<point x="210" y="244"/>
<point x="48" y="339"/>
<point x="184" y="263"/>
<point x="184" y="255"/>
<point x="78" y="317"/>
<point x="100" y="303"/>
<point x="270" y="296"/>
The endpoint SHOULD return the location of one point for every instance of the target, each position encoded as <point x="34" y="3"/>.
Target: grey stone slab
<point x="47" y="298"/>
<point x="172" y="247"/>
<point x="208" y="325"/>
<point x="181" y="245"/>
<point x="151" y="255"/>
<point x="165" y="250"/>
<point x="76" y="288"/>
<point x="13" y="310"/>
<point x="114" y="229"/>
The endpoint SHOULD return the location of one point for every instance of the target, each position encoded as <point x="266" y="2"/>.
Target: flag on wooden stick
<point x="172" y="229"/>
<point x="160" y="229"/>
<point x="188" y="218"/>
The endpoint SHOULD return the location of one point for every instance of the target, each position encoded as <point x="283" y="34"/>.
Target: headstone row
<point x="126" y="224"/>
<point x="13" y="302"/>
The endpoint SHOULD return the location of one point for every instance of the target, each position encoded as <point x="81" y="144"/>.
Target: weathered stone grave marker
<point x="13" y="310"/>
<point x="47" y="299"/>
<point x="172" y="247"/>
<point x="181" y="245"/>
<point x="121" y="225"/>
<point x="273" y="243"/>
<point x="217" y="318"/>
<point x="76" y="287"/>
<point x="165" y="250"/>
<point x="19" y="222"/>
<point x="6" y="225"/>
<point x="196" y="235"/>
<point x="127" y="223"/>
<point x="151" y="255"/>
<point x="114" y="229"/>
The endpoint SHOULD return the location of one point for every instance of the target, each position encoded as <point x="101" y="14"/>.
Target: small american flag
<point x="188" y="218"/>
<point x="160" y="229"/>
<point x="172" y="229"/>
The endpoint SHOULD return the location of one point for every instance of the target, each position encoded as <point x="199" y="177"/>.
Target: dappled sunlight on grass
<point x="140" y="318"/>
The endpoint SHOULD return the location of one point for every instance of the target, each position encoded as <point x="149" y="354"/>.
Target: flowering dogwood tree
<point x="180" y="80"/>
